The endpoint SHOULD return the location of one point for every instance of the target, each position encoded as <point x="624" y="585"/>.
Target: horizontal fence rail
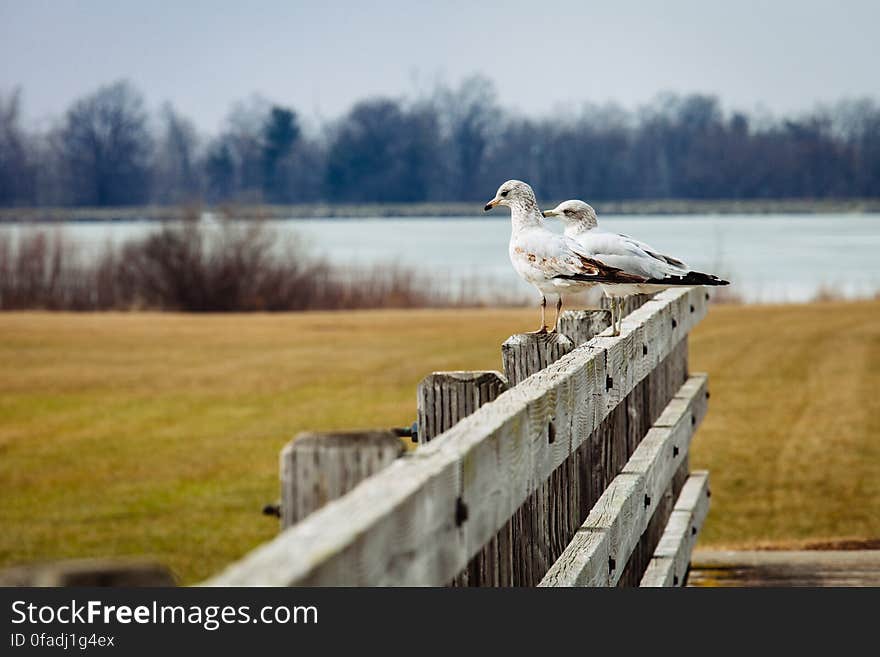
<point x="423" y="518"/>
<point x="612" y="530"/>
<point x="670" y="563"/>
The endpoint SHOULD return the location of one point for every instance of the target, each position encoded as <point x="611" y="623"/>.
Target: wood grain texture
<point x="530" y="551"/>
<point x="319" y="467"/>
<point x="444" y="398"/>
<point x="581" y="326"/>
<point x="420" y="520"/>
<point x="548" y="519"/>
<point x="626" y="507"/>
<point x="669" y="565"/>
<point x="524" y="354"/>
<point x="643" y="552"/>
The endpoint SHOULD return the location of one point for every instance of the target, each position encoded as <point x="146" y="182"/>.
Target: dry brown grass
<point x="793" y="433"/>
<point x="158" y="434"/>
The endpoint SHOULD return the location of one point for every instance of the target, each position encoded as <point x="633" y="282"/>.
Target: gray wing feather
<point x="627" y="254"/>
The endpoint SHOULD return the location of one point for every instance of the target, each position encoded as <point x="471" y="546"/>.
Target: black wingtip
<point x="691" y="278"/>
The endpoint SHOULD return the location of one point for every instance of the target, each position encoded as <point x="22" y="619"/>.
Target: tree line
<point x="454" y="144"/>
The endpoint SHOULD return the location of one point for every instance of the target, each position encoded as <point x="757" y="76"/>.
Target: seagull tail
<point x="690" y="278"/>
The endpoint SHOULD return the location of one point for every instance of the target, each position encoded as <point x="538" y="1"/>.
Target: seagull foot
<point x="540" y="331"/>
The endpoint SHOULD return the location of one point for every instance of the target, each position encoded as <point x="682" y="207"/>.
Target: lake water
<point x="768" y="258"/>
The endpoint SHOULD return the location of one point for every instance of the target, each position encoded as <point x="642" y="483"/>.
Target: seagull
<point x="654" y="270"/>
<point x="553" y="263"/>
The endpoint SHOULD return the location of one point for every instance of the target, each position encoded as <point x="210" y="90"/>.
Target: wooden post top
<point x="317" y="468"/>
<point x="581" y="326"/>
<point x="346" y="439"/>
<point x="444" y="398"/>
<point x="525" y="354"/>
<point x="466" y="376"/>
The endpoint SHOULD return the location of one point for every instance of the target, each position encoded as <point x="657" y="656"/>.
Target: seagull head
<point x="513" y="194"/>
<point x="574" y="213"/>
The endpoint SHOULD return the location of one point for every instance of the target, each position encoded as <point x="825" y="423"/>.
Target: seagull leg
<point x="543" y="328"/>
<point x="612" y="314"/>
<point x="619" y="315"/>
<point x="558" y="310"/>
<point x="615" y="302"/>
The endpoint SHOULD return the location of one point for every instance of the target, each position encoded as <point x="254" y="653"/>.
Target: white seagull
<point x="553" y="263"/>
<point x="654" y="270"/>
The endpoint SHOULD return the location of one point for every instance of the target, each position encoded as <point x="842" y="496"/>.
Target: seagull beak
<point x="491" y="204"/>
<point x="549" y="213"/>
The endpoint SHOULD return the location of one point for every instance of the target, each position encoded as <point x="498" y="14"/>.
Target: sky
<point x="778" y="56"/>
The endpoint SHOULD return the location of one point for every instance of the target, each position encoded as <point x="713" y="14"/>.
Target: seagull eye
<point x="503" y="193"/>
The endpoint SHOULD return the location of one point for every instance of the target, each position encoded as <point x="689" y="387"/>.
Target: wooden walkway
<point x="785" y="568"/>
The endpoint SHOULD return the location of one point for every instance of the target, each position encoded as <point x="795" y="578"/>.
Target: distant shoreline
<point x="428" y="210"/>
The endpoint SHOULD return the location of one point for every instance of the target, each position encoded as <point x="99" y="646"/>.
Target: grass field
<point x="158" y="434"/>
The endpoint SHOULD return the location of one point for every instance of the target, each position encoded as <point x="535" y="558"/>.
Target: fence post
<point x="524" y="354"/>
<point x="583" y="325"/>
<point x="316" y="468"/>
<point x="444" y="398"/>
<point x="536" y="531"/>
<point x="580" y="326"/>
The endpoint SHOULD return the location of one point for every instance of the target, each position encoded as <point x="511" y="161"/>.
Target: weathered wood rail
<point x="570" y="468"/>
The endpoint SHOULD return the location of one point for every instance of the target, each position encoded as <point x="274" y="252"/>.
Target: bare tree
<point x="16" y="171"/>
<point x="453" y="145"/>
<point x="472" y="121"/>
<point x="382" y="152"/>
<point x="281" y="132"/>
<point x="106" y="147"/>
<point x="177" y="177"/>
<point x="234" y="164"/>
<point x="244" y="135"/>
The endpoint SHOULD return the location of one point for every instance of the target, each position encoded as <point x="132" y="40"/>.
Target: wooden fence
<point x="568" y="469"/>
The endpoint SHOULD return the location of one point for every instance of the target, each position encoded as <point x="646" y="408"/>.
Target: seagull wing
<point x="654" y="253"/>
<point x="628" y="255"/>
<point x="630" y="258"/>
<point x="561" y="257"/>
